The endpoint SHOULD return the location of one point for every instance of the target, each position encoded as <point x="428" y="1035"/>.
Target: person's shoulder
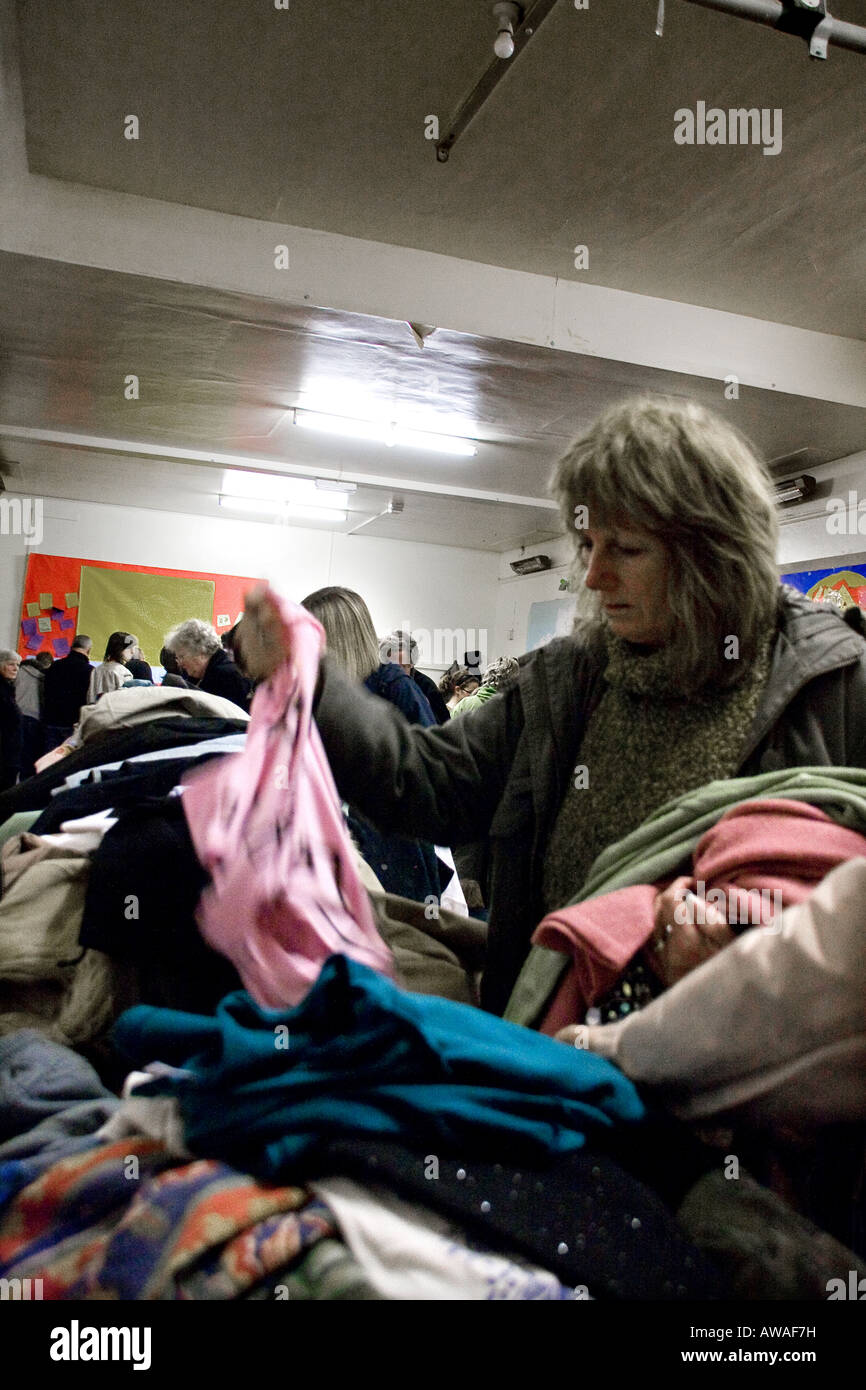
<point x="818" y="629"/>
<point x="390" y="673"/>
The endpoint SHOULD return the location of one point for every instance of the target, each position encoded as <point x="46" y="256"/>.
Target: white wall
<point x="432" y="587"/>
<point x="516" y="593"/>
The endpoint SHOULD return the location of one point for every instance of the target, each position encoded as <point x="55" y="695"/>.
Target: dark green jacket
<point x="503" y="773"/>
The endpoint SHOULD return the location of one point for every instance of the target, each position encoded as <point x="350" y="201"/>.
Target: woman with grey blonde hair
<point x="200" y="655"/>
<point x="689" y="663"/>
<point x="684" y="476"/>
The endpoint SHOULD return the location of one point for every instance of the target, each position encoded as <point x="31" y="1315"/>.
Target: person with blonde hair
<point x="353" y="644"/>
<point x="406" y="867"/>
<point x="689" y="663"/>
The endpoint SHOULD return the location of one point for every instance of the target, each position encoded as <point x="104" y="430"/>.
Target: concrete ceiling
<point x="220" y="375"/>
<point x="315" y="116"/>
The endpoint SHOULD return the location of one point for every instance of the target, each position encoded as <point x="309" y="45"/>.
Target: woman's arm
<point x="441" y="784"/>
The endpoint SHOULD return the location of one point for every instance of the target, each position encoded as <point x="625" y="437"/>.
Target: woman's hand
<point x="687" y="932"/>
<point x="261" y="638"/>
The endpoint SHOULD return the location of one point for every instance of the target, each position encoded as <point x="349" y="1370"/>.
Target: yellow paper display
<point x="46" y="601"/>
<point x="146" y="605"/>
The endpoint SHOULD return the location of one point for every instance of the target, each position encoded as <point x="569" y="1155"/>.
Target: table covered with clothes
<point x="228" y="1070"/>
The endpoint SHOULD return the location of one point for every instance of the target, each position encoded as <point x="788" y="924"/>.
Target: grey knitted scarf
<point x="643" y="745"/>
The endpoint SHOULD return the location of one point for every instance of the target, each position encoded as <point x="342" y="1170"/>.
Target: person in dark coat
<point x="402" y="649"/>
<point x="65" y="691"/>
<point x="140" y="668"/>
<point x="205" y="663"/>
<point x="172" y="676"/>
<point x="689" y="663"/>
<point x="10" y="720"/>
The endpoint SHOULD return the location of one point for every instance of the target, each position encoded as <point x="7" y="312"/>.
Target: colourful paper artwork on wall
<point x="845" y="588"/>
<point x="101" y="598"/>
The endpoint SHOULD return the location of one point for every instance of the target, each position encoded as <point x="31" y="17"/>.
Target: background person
<point x="114" y="672"/>
<point x="10" y="720"/>
<point x="498" y="676"/>
<point x="406" y="867"/>
<point x="140" y="669"/>
<point x="457" y="684"/>
<point x="172" y="675"/>
<point x="205" y="663"/>
<point x="401" y="648"/>
<point x="30" y="694"/>
<point x="65" y="691"/>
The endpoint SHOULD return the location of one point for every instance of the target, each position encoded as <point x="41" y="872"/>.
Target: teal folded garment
<point x="265" y="1090"/>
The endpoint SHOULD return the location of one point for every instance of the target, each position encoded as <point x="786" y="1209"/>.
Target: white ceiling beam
<point x="98" y="444"/>
<point x="112" y="231"/>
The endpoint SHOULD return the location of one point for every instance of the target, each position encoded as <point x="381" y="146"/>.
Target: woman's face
<point x="629" y="569"/>
<point x="192" y="664"/>
<point x="9" y="669"/>
<point x="463" y="690"/>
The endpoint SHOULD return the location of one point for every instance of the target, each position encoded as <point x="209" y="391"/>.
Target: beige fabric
<point x="110" y="675"/>
<point x="40" y="910"/>
<point x="22" y="851"/>
<point x="770" y="1031"/>
<point x="441" y="955"/>
<point x="122" y="709"/>
<point x="45" y="980"/>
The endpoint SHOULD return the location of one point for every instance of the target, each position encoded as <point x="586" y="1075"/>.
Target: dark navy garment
<point x="408" y="868"/>
<point x="391" y="682"/>
<point x="268" y="1090"/>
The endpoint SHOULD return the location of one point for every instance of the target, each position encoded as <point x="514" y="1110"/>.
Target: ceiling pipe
<point x="796" y="19"/>
<point x="533" y="18"/>
<point x="394" y="508"/>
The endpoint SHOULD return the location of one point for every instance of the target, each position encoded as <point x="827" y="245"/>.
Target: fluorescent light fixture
<point x="383" y="432"/>
<point x="795" y="489"/>
<point x="273" y="488"/>
<point x="282" y="511"/>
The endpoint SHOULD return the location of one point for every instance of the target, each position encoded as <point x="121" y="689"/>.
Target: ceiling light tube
<point x="282" y="511"/>
<point x="276" y="488"/>
<point x="385" y="433"/>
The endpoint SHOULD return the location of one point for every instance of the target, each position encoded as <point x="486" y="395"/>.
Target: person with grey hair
<point x="689" y="663"/>
<point x="10" y="720"/>
<point x="205" y="663"/>
<point x="498" y="676"/>
<point x="402" y="649"/>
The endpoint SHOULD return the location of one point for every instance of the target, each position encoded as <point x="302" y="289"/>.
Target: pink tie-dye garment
<point x="267" y="825"/>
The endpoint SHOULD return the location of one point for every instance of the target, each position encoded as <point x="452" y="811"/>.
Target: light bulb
<point x="504" y="45"/>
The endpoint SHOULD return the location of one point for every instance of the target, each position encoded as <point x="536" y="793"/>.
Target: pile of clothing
<point x="230" y="1071"/>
